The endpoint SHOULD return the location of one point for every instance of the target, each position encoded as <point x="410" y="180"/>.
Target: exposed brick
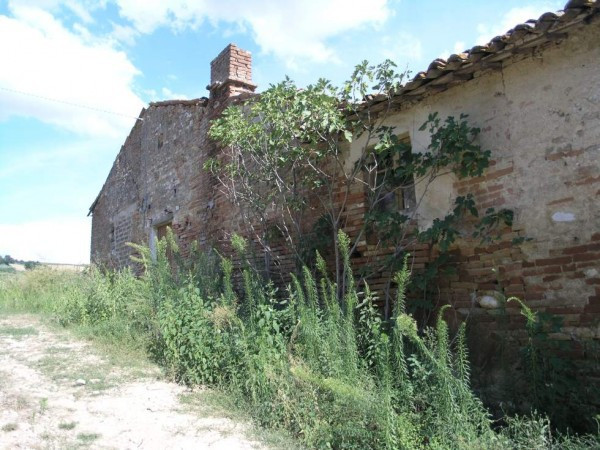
<point x="494" y="203"/>
<point x="465" y="285"/>
<point x="514" y="289"/>
<point x="551" y="278"/>
<point x="590" y="317"/>
<point x="562" y="310"/>
<point x="552" y="269"/>
<point x="533" y="296"/>
<point x="593" y="304"/>
<point x="498" y="173"/>
<point x="582" y="249"/>
<point x="553" y="261"/>
<point x="584" y="181"/>
<point x="561" y="201"/>
<point x="534" y="272"/>
<point x="586" y="257"/>
<point x="565" y="154"/>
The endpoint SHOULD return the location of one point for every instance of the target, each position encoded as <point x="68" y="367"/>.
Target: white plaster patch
<point x="561" y="216"/>
<point x="488" y="302"/>
<point x="591" y="273"/>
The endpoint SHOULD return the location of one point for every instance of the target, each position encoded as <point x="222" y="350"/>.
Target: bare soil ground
<point x="44" y="403"/>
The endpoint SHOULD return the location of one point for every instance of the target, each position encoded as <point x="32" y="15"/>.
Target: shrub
<point x="316" y="360"/>
<point x="323" y="364"/>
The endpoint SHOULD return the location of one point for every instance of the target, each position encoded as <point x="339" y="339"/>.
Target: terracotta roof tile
<point x="202" y="101"/>
<point x="442" y="74"/>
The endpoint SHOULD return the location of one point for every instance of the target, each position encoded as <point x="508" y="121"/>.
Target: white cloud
<point x="513" y="17"/>
<point x="293" y="30"/>
<point x="459" y="47"/>
<point x="81" y="9"/>
<point x="55" y="158"/>
<point x="168" y="94"/>
<point x="60" y="240"/>
<point x="40" y="56"/>
<point x="402" y="47"/>
<point x="123" y="34"/>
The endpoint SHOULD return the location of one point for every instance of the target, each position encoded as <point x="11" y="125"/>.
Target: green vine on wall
<point x="284" y="159"/>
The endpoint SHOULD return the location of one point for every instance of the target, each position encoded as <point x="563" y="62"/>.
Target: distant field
<point x="5" y="268"/>
<point x="73" y="267"/>
<point x="16" y="267"/>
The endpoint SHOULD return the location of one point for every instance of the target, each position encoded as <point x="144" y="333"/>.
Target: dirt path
<point x="44" y="403"/>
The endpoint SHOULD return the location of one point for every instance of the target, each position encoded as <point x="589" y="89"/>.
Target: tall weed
<point x="317" y="360"/>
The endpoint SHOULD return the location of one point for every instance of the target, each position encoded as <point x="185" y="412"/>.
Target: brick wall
<point x="157" y="176"/>
<point x="115" y="205"/>
<point x="539" y="116"/>
<point x="232" y="63"/>
<point x="231" y="74"/>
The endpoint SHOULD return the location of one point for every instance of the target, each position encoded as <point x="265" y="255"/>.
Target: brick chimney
<point x="231" y="73"/>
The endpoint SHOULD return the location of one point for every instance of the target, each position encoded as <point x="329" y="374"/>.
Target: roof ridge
<point x="442" y="74"/>
<point x="202" y="101"/>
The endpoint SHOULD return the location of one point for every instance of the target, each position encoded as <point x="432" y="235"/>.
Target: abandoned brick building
<point x="535" y="94"/>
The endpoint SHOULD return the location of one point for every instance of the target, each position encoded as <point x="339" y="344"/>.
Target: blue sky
<point x="118" y="55"/>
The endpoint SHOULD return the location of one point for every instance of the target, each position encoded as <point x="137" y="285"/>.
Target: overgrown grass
<point x="316" y="360"/>
<point x="97" y="304"/>
<point x="17" y="332"/>
<point x="214" y="402"/>
<point x="67" y="425"/>
<point x="88" y="437"/>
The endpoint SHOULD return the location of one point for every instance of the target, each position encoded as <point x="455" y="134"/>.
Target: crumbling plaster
<point x="540" y="115"/>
